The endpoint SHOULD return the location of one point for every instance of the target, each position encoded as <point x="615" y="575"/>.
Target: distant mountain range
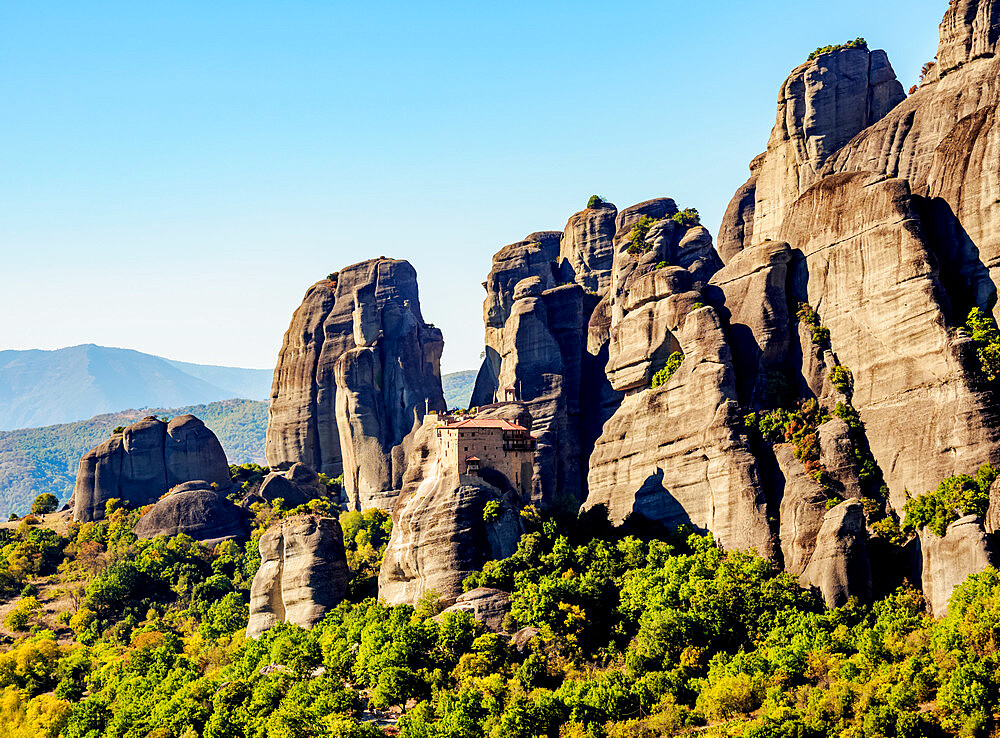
<point x="458" y="388"/>
<point x="45" y="459"/>
<point x="40" y="388"/>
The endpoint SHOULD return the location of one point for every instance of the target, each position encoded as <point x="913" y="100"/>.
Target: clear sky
<point x="176" y="174"/>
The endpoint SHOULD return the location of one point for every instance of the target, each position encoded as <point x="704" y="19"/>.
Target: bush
<point x="688" y="217"/>
<point x="638" y="235"/>
<point x="663" y="376"/>
<point x="19" y="618"/>
<point x="842" y="378"/>
<point x="858" y="43"/>
<point x="981" y="327"/>
<point x="595" y="201"/>
<point x="491" y="511"/>
<point x="45" y="503"/>
<point x="957" y="494"/>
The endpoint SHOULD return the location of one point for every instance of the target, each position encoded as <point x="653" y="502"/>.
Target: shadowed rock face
<point x="197" y="510"/>
<point x="358" y="369"/>
<point x="303" y="573"/>
<point x="141" y="464"/>
<point x="439" y="534"/>
<point x="839" y="565"/>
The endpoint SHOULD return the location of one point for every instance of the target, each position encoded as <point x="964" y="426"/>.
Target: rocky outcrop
<point x="196" y="510"/>
<point x="536" y="343"/>
<point x="822" y="105"/>
<point x="489" y="606"/>
<point x="297" y="486"/>
<point x="751" y="291"/>
<point x="839" y="566"/>
<point x="358" y="369"/>
<point x="949" y="560"/>
<point x="440" y="534"/>
<point x="676" y="454"/>
<point x="303" y="573"/>
<point x="586" y="252"/>
<point x="802" y="510"/>
<point x="149" y="458"/>
<point x="867" y="267"/>
<point x="536" y="256"/>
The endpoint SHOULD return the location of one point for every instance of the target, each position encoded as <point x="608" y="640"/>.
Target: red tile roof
<point x="486" y="423"/>
<point x="473" y="458"/>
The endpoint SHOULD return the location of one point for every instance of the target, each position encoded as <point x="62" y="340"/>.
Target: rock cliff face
<point x="948" y="560"/>
<point x="439" y="535"/>
<point x="675" y="454"/>
<point x="197" y="510"/>
<point x="536" y="342"/>
<point x="880" y="212"/>
<point x="585" y="249"/>
<point x="839" y="565"/>
<point x="358" y="369"/>
<point x="822" y="105"/>
<point x="303" y="573"/>
<point x="149" y="458"/>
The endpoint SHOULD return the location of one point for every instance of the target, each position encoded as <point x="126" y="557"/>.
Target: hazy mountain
<point x="39" y="388"/>
<point x="36" y="460"/>
<point x="458" y="387"/>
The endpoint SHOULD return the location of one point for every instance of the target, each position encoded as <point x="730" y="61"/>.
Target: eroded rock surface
<point x="197" y="510"/>
<point x="303" y="573"/>
<point x="839" y="565"/>
<point x="358" y="369"/>
<point x="440" y="535"/>
<point x="141" y="464"/>
<point x="948" y="560"/>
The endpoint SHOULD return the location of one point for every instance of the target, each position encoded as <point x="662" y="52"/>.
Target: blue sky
<point x="178" y="173"/>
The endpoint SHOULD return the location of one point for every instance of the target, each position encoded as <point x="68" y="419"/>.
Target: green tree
<point x="45" y="503"/>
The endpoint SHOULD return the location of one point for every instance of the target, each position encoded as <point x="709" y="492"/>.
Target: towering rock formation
<point x="149" y="458"/>
<point x="586" y="255"/>
<point x="358" y="369"/>
<point x="880" y="212"/>
<point x="536" y="340"/>
<point x="822" y="105"/>
<point x="673" y="453"/>
<point x="440" y="533"/>
<point x="303" y="573"/>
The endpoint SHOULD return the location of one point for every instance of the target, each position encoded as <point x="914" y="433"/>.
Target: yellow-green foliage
<point x="858" y="43"/>
<point x="673" y="364"/>
<point x="960" y="494"/>
<point x="983" y="330"/>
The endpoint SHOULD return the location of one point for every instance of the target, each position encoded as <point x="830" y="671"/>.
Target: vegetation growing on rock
<point x="673" y="364"/>
<point x="858" y="43"/>
<point x="955" y="496"/>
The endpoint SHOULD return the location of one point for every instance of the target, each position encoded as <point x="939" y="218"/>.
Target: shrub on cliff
<point x="673" y="364"/>
<point x="688" y="218"/>
<point x="982" y="328"/>
<point x="955" y="496"/>
<point x="858" y="43"/>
